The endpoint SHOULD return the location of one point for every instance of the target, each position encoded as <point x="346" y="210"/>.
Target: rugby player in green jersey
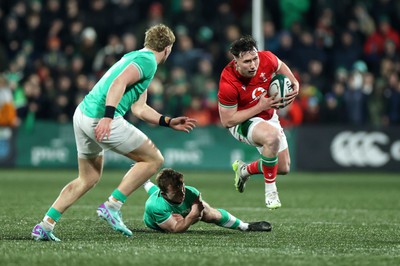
<point x="174" y="207"/>
<point x="99" y="125"/>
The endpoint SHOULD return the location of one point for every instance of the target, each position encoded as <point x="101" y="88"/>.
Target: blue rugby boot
<point x="40" y="234"/>
<point x="114" y="219"/>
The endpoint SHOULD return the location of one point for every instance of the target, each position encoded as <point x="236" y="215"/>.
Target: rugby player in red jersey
<point x="250" y="115"/>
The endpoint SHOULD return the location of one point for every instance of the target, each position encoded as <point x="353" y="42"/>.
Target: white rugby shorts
<point x="124" y="137"/>
<point x="252" y="122"/>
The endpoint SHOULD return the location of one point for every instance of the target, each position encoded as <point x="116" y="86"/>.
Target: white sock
<point x="111" y="203"/>
<point x="270" y="187"/>
<point x="147" y="185"/>
<point x="47" y="225"/>
<point x="243" y="226"/>
<point x="244" y="172"/>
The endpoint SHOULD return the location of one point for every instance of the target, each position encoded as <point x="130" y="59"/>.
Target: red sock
<point x="270" y="169"/>
<point x="254" y="167"/>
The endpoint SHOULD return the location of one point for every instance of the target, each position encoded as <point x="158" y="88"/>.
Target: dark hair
<point x="169" y="177"/>
<point x="244" y="44"/>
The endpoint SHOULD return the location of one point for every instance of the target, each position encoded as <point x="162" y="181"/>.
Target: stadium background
<point x="344" y="53"/>
<point x="52" y="52"/>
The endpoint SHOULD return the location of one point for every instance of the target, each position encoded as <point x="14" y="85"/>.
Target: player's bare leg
<point x="90" y="171"/>
<point x="225" y="219"/>
<point x="284" y="162"/>
<point x="148" y="160"/>
<point x="268" y="136"/>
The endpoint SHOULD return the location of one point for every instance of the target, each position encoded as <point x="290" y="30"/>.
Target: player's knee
<point x="272" y="140"/>
<point x="90" y="181"/>
<point x="156" y="163"/>
<point x="159" y="161"/>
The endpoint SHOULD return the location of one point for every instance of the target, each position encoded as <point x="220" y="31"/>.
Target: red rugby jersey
<point x="245" y="92"/>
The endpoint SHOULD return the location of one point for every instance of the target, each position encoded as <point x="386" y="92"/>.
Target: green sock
<point x="54" y="214"/>
<point x="119" y="196"/>
<point x="228" y="220"/>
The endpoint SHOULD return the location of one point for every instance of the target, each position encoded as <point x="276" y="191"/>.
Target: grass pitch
<point x="325" y="219"/>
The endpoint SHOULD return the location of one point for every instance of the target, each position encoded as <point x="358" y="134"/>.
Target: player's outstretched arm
<point x="183" y="123"/>
<point x="146" y="113"/>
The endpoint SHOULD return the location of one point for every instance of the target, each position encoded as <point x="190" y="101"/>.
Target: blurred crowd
<point x="346" y="55"/>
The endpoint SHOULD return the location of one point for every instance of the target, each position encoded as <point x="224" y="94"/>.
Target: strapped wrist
<point x="164" y="121"/>
<point x="109" y="112"/>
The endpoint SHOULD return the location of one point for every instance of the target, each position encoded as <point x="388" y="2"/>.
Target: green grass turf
<point x="326" y="219"/>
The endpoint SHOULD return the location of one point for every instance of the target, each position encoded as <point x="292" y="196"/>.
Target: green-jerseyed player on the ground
<point x="174" y="207"/>
<point x="99" y="125"/>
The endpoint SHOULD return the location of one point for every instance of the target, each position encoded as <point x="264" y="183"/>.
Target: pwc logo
<point x="363" y="148"/>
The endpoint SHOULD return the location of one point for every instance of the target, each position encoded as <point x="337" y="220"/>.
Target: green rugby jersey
<point x="93" y="105"/>
<point x="158" y="210"/>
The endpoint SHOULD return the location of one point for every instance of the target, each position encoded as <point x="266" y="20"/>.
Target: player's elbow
<point x="227" y="123"/>
<point x="137" y="112"/>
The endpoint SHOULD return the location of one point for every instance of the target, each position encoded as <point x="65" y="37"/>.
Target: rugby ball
<point x="280" y="84"/>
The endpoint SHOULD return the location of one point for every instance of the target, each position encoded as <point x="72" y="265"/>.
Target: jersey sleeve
<point x="161" y="216"/>
<point x="153" y="189"/>
<point x="227" y="94"/>
<point x="146" y="66"/>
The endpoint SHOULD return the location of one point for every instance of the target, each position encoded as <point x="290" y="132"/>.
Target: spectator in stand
<point x="389" y="8"/>
<point x="364" y="19"/>
<point x="333" y="109"/>
<point x="177" y="92"/>
<point x="13" y="36"/>
<point x="98" y="17"/>
<point x="317" y="75"/>
<point x="129" y="42"/>
<point x="221" y="19"/>
<point x="189" y="16"/>
<point x="186" y="56"/>
<point x="393" y="99"/>
<point x="8" y="113"/>
<point x="324" y="31"/>
<point x="307" y="50"/>
<point x="286" y="50"/>
<point x="126" y="14"/>
<point x="375" y="44"/>
<point x="202" y="75"/>
<point x="271" y="38"/>
<point x="153" y="16"/>
<point x="88" y="48"/>
<point x="156" y="95"/>
<point x="391" y="53"/>
<point x="310" y="100"/>
<point x="197" y="111"/>
<point x="73" y="37"/>
<point x="109" y="54"/>
<point x="291" y="115"/>
<point x="346" y="51"/>
<point x="55" y="58"/>
<point x="63" y="110"/>
<point x="355" y="97"/>
<point x="211" y="100"/>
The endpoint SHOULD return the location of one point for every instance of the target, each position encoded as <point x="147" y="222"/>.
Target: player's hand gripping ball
<point x="280" y="85"/>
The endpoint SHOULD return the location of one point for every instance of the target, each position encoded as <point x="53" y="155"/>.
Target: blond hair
<point x="159" y="37"/>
